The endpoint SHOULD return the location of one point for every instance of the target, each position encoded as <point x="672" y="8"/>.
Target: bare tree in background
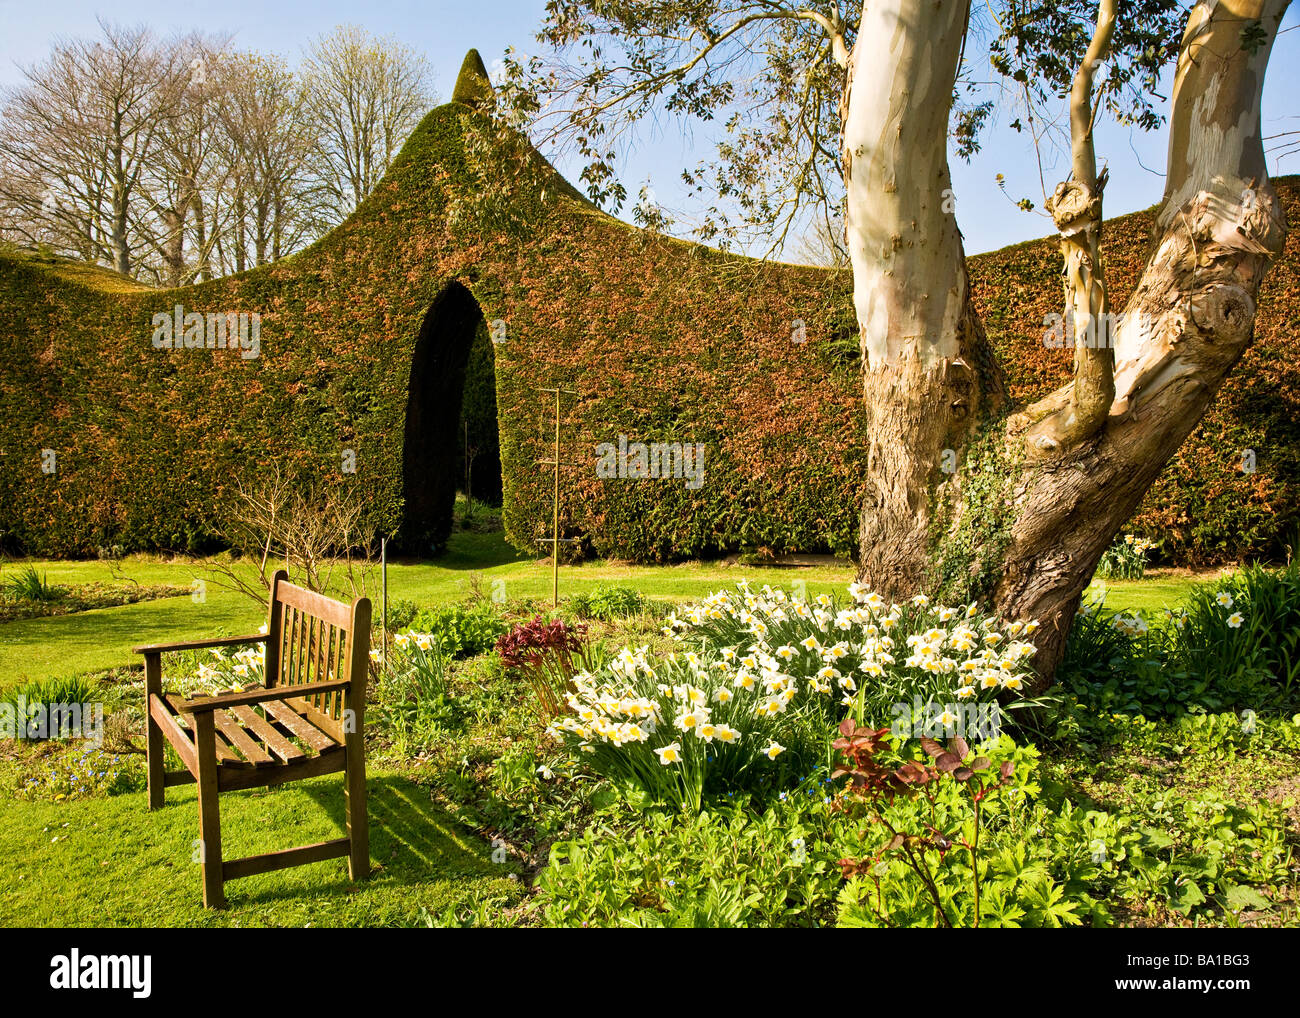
<point x="316" y="530"/>
<point x="182" y="183"/>
<point x="366" y="95"/>
<point x="268" y="142"/>
<point x="177" y="160"/>
<point x="78" y="135"/>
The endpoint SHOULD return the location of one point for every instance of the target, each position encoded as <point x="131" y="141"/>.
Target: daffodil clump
<point x="668" y="729"/>
<point x="1126" y="559"/>
<point x="414" y="658"/>
<point x="762" y="679"/>
<point x="225" y="670"/>
<point x="867" y="655"/>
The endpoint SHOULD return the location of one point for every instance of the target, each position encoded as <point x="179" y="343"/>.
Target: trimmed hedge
<point x="663" y="341"/>
<point x="1204" y="508"/>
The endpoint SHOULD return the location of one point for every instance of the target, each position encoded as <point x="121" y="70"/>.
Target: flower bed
<point x="763" y="678"/>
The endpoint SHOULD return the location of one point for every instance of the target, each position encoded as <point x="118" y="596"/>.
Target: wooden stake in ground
<point x="383" y="569"/>
<point x="554" y="540"/>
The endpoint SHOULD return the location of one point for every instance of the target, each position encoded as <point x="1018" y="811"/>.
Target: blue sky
<point x="444" y="31"/>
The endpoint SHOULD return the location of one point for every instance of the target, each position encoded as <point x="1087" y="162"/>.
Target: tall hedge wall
<point x="662" y="341"/>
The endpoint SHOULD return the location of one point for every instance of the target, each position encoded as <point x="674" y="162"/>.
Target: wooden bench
<point x="305" y="721"/>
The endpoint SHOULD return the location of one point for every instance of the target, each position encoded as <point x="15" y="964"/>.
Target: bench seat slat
<point x="226" y="756"/>
<point x="320" y="741"/>
<point x="259" y="728"/>
<point x="228" y="726"/>
<point x="327" y="724"/>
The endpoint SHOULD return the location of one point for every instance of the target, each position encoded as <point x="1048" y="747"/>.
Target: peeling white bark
<point x="904" y="246"/>
<point x="1185" y="327"/>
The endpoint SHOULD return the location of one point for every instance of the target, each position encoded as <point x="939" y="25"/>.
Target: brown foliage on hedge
<point x="663" y="341"/>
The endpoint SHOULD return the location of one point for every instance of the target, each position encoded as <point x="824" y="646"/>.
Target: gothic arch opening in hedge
<point x="439" y="436"/>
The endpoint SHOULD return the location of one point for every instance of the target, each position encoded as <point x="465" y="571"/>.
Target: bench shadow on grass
<point x="412" y="841"/>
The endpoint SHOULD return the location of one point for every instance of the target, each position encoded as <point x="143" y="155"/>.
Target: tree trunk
<point x="1046" y="494"/>
<point x="1187" y="324"/>
<point x="928" y="374"/>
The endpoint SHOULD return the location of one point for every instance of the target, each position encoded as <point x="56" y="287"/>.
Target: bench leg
<point x="205" y="747"/>
<point x="153" y="734"/>
<point x="354" y="793"/>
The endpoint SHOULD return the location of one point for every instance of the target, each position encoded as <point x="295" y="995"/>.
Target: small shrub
<point x="1233" y="645"/>
<point x="606" y="603"/>
<point x="1117" y="663"/>
<point x="461" y="630"/>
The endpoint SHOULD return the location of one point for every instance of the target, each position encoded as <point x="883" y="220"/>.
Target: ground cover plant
<point x="1233" y="643"/>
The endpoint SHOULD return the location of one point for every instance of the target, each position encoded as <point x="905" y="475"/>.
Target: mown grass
<point x="102" y="639"/>
<point x="110" y="862"/>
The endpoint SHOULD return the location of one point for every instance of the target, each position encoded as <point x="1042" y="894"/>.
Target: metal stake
<point x="383" y="570"/>
<point x="555" y="540"/>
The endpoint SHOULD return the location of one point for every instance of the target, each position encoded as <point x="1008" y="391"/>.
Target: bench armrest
<point x="216" y="641"/>
<point x="259" y="694"/>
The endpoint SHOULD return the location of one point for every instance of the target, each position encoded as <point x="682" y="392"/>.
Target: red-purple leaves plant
<point x="545" y="653"/>
<point x="874" y="784"/>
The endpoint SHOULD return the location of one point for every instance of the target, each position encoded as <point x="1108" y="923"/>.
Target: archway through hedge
<point x="451" y="439"/>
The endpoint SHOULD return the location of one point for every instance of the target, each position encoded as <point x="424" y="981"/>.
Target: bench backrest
<point x="312" y="638"/>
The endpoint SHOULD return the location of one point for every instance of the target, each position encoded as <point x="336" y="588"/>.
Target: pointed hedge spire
<point x="473" y="87"/>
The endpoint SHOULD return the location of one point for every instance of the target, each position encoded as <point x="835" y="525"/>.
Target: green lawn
<point x="108" y="861"/>
<point x="102" y="639"/>
<point x="1152" y="595"/>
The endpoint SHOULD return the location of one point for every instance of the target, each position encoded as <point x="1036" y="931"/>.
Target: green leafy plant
<point x="607" y="603"/>
<point x="1125" y="559"/>
<point x="30" y="585"/>
<point x="75" y="689"/>
<point x="954" y="787"/>
<point x="547" y="655"/>
<point x="401" y="614"/>
<point x="1233" y="644"/>
<point x="1245" y="631"/>
<point x="461" y="630"/>
<point x="725" y="867"/>
<point x="413" y="701"/>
